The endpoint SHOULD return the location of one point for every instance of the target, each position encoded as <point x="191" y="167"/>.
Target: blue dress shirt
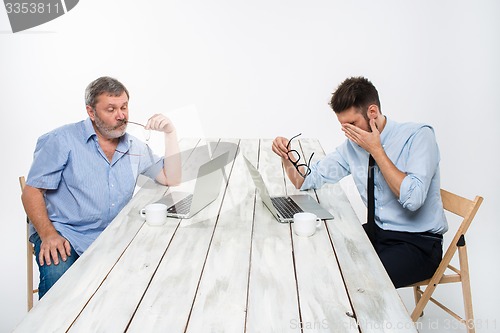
<point x="84" y="190"/>
<point x="414" y="151"/>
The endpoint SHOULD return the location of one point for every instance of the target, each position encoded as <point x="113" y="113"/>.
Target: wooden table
<point x="231" y="268"/>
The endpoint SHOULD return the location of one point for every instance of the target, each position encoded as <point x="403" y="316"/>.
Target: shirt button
<point x="112" y="205"/>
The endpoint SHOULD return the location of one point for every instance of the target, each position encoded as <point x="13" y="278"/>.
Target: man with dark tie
<point x="395" y="167"/>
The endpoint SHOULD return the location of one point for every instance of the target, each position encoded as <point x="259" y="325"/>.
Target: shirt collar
<point x="386" y="132"/>
<point x="88" y="129"/>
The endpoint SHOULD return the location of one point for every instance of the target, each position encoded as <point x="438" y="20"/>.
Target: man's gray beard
<point x="108" y="132"/>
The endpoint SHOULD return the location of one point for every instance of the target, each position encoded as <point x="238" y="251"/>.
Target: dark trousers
<point x="408" y="257"/>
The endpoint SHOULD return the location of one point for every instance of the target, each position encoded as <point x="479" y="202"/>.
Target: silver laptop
<point x="208" y="184"/>
<point x="284" y="207"/>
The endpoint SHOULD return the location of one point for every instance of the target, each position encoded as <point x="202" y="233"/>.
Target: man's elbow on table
<point x="173" y="179"/>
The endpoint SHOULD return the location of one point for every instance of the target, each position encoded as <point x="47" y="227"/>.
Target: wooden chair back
<point x="466" y="209"/>
<point x="30" y="251"/>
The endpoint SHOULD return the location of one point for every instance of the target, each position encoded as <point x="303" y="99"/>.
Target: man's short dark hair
<point x="354" y="91"/>
<point x="104" y="84"/>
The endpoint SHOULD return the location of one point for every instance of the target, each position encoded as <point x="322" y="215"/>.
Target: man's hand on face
<point x="369" y="141"/>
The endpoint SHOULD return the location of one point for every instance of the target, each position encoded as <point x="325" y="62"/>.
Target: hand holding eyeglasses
<point x="160" y="122"/>
<point x="282" y="147"/>
<point x="157" y="122"/>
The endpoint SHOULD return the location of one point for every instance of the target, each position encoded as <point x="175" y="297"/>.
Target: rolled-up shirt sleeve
<point x="421" y="166"/>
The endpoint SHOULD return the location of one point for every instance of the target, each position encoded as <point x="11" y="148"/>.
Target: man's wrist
<point x="47" y="233"/>
<point x="170" y="131"/>
<point x="378" y="153"/>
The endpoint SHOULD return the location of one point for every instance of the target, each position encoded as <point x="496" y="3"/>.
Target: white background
<point x="260" y="69"/>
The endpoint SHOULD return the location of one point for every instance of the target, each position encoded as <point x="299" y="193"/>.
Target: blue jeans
<point x="49" y="274"/>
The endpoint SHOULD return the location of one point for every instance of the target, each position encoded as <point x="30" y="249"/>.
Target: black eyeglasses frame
<point x="296" y="163"/>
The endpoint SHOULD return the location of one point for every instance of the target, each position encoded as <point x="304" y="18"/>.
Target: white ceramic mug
<point x="305" y="224"/>
<point x="155" y="213"/>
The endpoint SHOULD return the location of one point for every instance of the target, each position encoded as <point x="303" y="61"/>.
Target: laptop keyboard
<point x="181" y="207"/>
<point x="286" y="206"/>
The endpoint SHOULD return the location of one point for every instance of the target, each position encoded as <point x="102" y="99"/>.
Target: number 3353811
<point x="31" y="8"/>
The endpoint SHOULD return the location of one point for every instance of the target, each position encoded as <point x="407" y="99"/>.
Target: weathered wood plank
<point x="167" y="303"/>
<point x="324" y="302"/>
<point x="127" y="282"/>
<point x="221" y="299"/>
<point x="272" y="302"/>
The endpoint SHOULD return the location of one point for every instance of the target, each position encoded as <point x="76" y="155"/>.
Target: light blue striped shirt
<point x="413" y="149"/>
<point x="84" y="190"/>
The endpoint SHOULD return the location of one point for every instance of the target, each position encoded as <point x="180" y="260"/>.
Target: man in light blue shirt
<point x="408" y="212"/>
<point x="84" y="173"/>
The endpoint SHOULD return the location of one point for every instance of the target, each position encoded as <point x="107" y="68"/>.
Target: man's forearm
<point x="392" y="175"/>
<point x="172" y="165"/>
<point x="296" y="179"/>
<point x="34" y="205"/>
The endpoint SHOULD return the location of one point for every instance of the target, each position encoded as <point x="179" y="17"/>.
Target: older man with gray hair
<point x="84" y="173"/>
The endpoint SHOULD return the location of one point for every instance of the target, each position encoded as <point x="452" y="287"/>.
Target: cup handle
<point x="318" y="222"/>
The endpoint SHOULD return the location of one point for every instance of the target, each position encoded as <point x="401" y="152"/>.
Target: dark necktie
<point x="370" y="222"/>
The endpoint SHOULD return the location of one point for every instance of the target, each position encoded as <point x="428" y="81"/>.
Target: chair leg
<point x="29" y="271"/>
<point x="416" y="293"/>
<point x="466" y="290"/>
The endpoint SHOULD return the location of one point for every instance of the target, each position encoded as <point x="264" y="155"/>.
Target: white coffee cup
<point x="155" y="213"/>
<point x="305" y="224"/>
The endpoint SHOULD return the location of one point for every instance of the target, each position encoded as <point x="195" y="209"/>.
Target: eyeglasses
<point x="294" y="157"/>
<point x="146" y="134"/>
